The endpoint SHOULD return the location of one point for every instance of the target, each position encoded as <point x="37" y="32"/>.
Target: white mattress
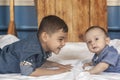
<point x="73" y="53"/>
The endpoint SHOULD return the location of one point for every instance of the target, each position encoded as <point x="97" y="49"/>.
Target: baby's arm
<point x="99" y="68"/>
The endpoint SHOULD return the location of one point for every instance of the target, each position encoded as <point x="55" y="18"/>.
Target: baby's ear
<point x="108" y="40"/>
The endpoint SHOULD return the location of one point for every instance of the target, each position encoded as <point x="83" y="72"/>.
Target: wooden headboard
<point x="78" y="14"/>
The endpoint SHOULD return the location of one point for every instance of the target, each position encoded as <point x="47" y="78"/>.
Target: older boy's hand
<point x="66" y="66"/>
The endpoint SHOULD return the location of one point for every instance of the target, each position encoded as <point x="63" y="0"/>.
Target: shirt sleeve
<point x="27" y="66"/>
<point x="111" y="58"/>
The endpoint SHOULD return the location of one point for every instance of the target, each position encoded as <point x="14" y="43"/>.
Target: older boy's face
<point x="56" y="41"/>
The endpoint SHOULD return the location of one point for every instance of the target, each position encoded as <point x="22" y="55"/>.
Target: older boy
<point x="29" y="56"/>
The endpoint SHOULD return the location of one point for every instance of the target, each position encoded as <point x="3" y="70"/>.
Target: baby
<point x="106" y="58"/>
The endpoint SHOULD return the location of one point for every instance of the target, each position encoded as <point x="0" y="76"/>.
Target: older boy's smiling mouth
<point x="59" y="48"/>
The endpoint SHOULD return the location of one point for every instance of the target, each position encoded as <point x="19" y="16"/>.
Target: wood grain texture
<point x="49" y="7"/>
<point x="12" y="26"/>
<point x="80" y="18"/>
<point x="98" y="13"/>
<point x="78" y="14"/>
<point x="40" y="10"/>
<point x="64" y="11"/>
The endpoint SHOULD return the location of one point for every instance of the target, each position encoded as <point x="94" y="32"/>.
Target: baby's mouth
<point x="94" y="47"/>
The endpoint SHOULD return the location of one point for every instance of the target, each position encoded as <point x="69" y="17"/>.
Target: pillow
<point x="79" y="50"/>
<point x="116" y="44"/>
<point x="7" y="39"/>
<point x="73" y="50"/>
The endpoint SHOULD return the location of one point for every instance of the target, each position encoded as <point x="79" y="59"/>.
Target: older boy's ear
<point x="108" y="40"/>
<point x="44" y="36"/>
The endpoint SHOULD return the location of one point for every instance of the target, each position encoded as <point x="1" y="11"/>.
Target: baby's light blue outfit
<point x="108" y="55"/>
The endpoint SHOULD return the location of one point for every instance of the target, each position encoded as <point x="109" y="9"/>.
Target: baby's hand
<point x="85" y="65"/>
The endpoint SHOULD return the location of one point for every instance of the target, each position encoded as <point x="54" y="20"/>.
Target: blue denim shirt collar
<point x="96" y="58"/>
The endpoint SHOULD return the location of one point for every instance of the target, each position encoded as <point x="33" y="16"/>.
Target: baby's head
<point x="52" y="33"/>
<point x="96" y="38"/>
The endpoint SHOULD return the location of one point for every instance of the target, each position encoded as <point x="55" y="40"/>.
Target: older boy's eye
<point x="60" y="39"/>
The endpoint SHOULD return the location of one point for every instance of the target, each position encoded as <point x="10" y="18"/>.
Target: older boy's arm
<point x="44" y="71"/>
<point x="102" y="66"/>
<point x="49" y="64"/>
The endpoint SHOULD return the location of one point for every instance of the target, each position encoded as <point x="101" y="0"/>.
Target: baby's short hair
<point x="98" y="27"/>
<point x="51" y="24"/>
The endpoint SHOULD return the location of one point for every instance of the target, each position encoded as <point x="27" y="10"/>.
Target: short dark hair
<point x="93" y="27"/>
<point x="51" y="24"/>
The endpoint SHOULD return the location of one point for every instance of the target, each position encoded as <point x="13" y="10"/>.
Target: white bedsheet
<point x="75" y="74"/>
<point x="73" y="53"/>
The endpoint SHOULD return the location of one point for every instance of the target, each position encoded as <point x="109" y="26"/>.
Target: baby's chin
<point x="95" y="51"/>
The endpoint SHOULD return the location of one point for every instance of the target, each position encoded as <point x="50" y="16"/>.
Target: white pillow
<point x="115" y="43"/>
<point x="79" y="50"/>
<point x="73" y="50"/>
<point x="7" y="39"/>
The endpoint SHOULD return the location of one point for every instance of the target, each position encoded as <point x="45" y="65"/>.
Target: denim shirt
<point x="23" y="56"/>
<point x="110" y="56"/>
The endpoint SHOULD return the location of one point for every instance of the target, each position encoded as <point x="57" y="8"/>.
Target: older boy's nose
<point x="63" y="43"/>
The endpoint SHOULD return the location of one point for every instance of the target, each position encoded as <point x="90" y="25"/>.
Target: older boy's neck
<point x="43" y="44"/>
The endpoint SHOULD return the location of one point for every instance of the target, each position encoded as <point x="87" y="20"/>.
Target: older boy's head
<point x="50" y="24"/>
<point x="52" y="33"/>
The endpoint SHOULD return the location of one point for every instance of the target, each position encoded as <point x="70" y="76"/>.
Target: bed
<point x="75" y="53"/>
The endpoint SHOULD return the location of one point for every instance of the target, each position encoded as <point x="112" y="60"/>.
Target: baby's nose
<point x="93" y="42"/>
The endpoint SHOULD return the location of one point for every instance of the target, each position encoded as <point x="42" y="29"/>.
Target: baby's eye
<point x="96" y="38"/>
<point x="88" y="42"/>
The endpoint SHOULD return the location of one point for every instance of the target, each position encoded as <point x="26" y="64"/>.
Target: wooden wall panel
<point x="59" y="9"/>
<point x="40" y="9"/>
<point x="64" y="11"/>
<point x="49" y="7"/>
<point x="80" y="18"/>
<point x="78" y="14"/>
<point x="98" y="13"/>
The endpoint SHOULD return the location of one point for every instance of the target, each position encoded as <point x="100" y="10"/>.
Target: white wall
<point x="113" y="2"/>
<point x="18" y="2"/>
<point x="31" y="2"/>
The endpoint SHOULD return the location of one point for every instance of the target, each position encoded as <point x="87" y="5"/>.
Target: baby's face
<point x="56" y="41"/>
<point x="96" y="40"/>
